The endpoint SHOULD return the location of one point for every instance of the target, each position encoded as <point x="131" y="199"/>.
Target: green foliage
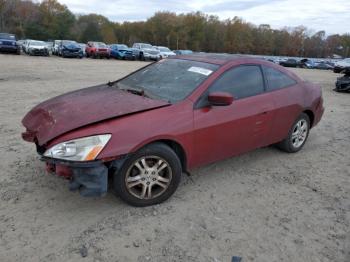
<point x="49" y="19"/>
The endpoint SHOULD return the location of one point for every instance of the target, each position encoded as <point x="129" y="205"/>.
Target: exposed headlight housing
<point x="81" y="149"/>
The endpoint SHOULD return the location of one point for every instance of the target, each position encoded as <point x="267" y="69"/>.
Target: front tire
<point x="148" y="177"/>
<point x="297" y="135"/>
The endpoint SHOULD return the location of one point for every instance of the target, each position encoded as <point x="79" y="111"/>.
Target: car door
<point x="225" y="131"/>
<point x="287" y="98"/>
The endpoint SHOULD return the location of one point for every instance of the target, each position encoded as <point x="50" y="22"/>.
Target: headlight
<point x="0" y="42"/>
<point x="81" y="149"/>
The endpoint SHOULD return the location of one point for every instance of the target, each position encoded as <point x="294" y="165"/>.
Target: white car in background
<point x="56" y="44"/>
<point x="35" y="47"/>
<point x="164" y="51"/>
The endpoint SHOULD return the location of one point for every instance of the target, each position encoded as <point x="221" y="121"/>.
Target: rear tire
<point x="148" y="177"/>
<point x="297" y="135"/>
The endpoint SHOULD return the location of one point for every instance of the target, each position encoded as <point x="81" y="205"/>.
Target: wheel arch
<point x="174" y="145"/>
<point x="311" y="116"/>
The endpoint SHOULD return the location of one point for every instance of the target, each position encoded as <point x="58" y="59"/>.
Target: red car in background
<point x="144" y="130"/>
<point x="97" y="50"/>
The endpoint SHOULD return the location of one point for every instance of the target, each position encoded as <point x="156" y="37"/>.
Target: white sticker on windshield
<point x="200" y="70"/>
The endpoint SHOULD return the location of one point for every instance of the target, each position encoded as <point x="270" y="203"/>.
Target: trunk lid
<point x="76" y="109"/>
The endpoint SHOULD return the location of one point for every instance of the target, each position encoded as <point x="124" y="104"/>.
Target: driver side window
<point x="242" y="81"/>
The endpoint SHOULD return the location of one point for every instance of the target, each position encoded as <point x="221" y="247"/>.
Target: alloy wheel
<point x="299" y="134"/>
<point x="148" y="177"/>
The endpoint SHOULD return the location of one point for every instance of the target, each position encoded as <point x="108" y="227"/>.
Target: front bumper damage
<point x="90" y="178"/>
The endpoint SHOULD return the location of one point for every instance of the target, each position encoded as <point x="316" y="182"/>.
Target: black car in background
<point x="290" y="63"/>
<point x="343" y="83"/>
<point x="8" y="44"/>
<point x="68" y="48"/>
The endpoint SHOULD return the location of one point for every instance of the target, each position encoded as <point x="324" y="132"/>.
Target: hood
<point x="76" y="109"/>
<point x="151" y="50"/>
<point x="168" y="53"/>
<point x="124" y="50"/>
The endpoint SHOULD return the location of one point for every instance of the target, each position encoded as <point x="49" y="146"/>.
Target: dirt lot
<point x="263" y="206"/>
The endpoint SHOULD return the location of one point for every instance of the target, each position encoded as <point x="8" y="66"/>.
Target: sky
<point x="333" y="16"/>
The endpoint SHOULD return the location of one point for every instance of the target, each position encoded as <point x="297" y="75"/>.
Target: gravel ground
<point x="263" y="206"/>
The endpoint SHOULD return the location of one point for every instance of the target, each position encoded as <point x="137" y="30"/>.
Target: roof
<point x="213" y="58"/>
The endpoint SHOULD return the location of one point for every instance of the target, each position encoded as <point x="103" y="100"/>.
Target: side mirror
<point x="220" y="98"/>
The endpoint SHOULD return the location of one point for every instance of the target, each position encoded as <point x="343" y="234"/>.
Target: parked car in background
<point x="49" y="45"/>
<point x="145" y="52"/>
<point x="8" y="44"/>
<point x="323" y="66"/>
<point x="97" y="50"/>
<point x="343" y="83"/>
<point x="183" y="52"/>
<point x="20" y="43"/>
<point x="69" y="48"/>
<point x="38" y="48"/>
<point x="165" y="51"/>
<point x="83" y="47"/>
<point x="25" y="44"/>
<point x="120" y="51"/>
<point x="169" y="117"/>
<point x="56" y="44"/>
<point x="290" y="63"/>
<point x="341" y="65"/>
<point x="306" y="63"/>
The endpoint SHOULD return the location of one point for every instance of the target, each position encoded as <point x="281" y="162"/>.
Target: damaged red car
<point x="144" y="131"/>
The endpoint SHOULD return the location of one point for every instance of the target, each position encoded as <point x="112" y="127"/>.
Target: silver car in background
<point x="35" y="47"/>
<point x="145" y="52"/>
<point x="165" y="51"/>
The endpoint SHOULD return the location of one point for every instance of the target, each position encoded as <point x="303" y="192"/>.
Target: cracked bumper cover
<point x="90" y="178"/>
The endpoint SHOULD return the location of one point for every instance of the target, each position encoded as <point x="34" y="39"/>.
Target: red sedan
<point x="143" y="131"/>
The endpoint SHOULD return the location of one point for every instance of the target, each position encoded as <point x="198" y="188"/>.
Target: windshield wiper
<point x="135" y="91"/>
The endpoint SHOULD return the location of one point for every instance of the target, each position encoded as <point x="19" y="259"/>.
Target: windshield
<point x="67" y="42"/>
<point x="7" y="36"/>
<point x="171" y="80"/>
<point x="100" y="45"/>
<point x="37" y="43"/>
<point x="122" y="47"/>
<point x="164" y="49"/>
<point x="148" y="46"/>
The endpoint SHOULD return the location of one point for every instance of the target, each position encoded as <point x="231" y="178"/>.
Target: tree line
<point x="49" y="20"/>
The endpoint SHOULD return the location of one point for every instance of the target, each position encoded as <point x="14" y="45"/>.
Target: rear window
<point x="277" y="80"/>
